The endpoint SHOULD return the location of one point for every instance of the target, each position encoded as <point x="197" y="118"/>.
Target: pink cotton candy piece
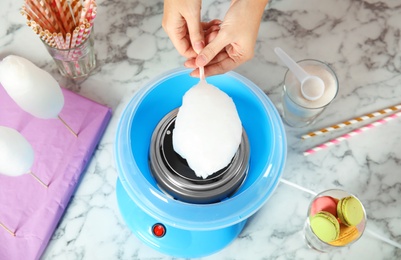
<point x="28" y="209"/>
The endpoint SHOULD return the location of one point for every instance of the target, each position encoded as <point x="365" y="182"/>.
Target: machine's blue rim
<point x="147" y="198"/>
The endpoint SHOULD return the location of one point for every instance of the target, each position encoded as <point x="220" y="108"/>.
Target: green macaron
<point x="325" y="226"/>
<point x="350" y="211"/>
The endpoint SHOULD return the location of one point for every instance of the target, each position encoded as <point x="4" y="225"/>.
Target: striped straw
<point x="351" y="134"/>
<point x="352" y="121"/>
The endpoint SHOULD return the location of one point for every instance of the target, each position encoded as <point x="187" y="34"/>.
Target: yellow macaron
<point x="347" y="235"/>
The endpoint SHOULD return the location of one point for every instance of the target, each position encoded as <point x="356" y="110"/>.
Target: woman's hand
<point x="182" y="23"/>
<point x="218" y="46"/>
<point x="234" y="42"/>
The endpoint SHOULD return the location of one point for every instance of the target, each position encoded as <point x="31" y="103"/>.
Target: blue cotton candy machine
<point x="160" y="198"/>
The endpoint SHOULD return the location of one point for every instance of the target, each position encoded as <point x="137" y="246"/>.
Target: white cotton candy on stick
<point x="16" y="154"/>
<point x="32" y="88"/>
<point x="207" y="130"/>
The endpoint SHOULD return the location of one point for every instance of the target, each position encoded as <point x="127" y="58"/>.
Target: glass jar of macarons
<point x="335" y="219"/>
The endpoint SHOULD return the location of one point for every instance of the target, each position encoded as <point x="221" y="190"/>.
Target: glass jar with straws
<point x="66" y="29"/>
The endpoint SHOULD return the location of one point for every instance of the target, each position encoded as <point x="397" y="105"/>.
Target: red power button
<point x="159" y="230"/>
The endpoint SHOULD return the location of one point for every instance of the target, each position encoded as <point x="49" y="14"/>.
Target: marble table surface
<point x="361" y="40"/>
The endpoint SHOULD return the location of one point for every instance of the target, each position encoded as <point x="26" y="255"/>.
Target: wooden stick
<point x="39" y="180"/>
<point x="7" y="229"/>
<point x="69" y="128"/>
<point x="72" y="13"/>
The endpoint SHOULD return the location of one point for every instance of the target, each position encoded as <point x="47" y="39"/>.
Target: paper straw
<point x="353" y="121"/>
<point x="43" y="36"/>
<point x="36" y="8"/>
<point x="87" y="4"/>
<point x="57" y="41"/>
<point x="28" y="13"/>
<point x="83" y="15"/>
<point x="90" y="11"/>
<point x="50" y="15"/>
<point x="65" y="11"/>
<point x="351" y="134"/>
<point x="80" y="34"/>
<point x="61" y="14"/>
<point x="93" y="16"/>
<point x="74" y="37"/>
<point x="61" y="40"/>
<point x="50" y="39"/>
<point x="35" y="27"/>
<point x="87" y="31"/>
<point x="67" y="41"/>
<point x="77" y="10"/>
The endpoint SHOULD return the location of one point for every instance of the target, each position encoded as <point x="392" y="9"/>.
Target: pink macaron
<point x="324" y="203"/>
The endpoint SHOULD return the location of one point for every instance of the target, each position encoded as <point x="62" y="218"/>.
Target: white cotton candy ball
<point x="207" y="130"/>
<point x="32" y="88"/>
<point x="16" y="154"/>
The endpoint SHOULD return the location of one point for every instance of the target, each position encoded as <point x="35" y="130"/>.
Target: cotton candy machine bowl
<point x="176" y="178"/>
<point x="161" y="199"/>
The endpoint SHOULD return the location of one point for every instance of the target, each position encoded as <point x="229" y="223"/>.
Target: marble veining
<point x="360" y="39"/>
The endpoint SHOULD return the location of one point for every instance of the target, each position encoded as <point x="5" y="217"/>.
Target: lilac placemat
<point x="27" y="208"/>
